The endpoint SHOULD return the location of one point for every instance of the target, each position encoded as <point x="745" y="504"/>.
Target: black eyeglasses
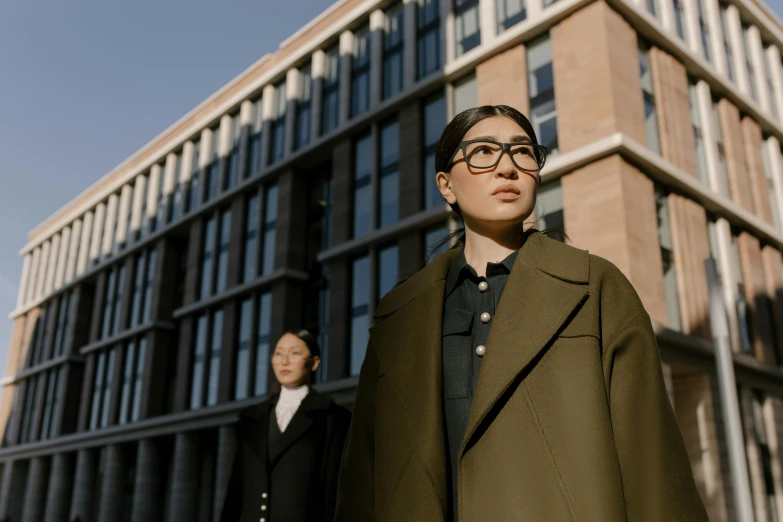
<point x="486" y="154"/>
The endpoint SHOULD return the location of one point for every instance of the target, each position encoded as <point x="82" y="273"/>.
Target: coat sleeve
<point x="356" y="485"/>
<point x="232" y="501"/>
<point x="339" y="422"/>
<point x="656" y="472"/>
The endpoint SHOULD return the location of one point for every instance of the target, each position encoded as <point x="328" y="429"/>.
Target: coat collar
<point x="545" y="288"/>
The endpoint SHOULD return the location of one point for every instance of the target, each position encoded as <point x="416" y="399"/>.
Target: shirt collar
<point x="292" y="397"/>
<point x="460" y="269"/>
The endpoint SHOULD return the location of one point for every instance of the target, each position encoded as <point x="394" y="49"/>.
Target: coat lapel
<point x="537" y="302"/>
<point x="300" y="422"/>
<point x="255" y="422"/>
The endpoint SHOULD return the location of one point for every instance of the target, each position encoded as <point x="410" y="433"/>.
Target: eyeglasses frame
<point x="505" y="147"/>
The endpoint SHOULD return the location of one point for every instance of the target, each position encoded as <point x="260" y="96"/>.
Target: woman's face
<point x="292" y="361"/>
<point x="495" y="197"/>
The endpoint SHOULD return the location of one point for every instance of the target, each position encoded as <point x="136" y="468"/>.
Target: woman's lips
<point x="506" y="192"/>
<point x="505" y="196"/>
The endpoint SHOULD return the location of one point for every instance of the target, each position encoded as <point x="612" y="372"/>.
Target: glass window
<point x="176" y="208"/>
<point x="362" y="186"/>
<point x="62" y="330"/>
<point x="330" y="114"/>
<point x="195" y="175"/>
<point x="770" y="186"/>
<point x="214" y="358"/>
<point x="99" y="417"/>
<point x="29" y="407"/>
<point x="549" y="207"/>
<point x="199" y="361"/>
<point x="207" y="258"/>
<point x="467" y="25"/>
<point x="432" y="238"/>
<point x="222" y="257"/>
<point x="233" y="156"/>
<point x="388" y="209"/>
<point x="704" y="30"/>
<point x="392" y="52"/>
<point x="701" y="159"/>
<point x="742" y="306"/>
<point x="263" y="342"/>
<point x="773" y="103"/>
<point x="428" y="37"/>
<point x="48" y="428"/>
<point x="749" y="63"/>
<point x="360" y="312"/>
<point x="277" y="146"/>
<point x="211" y="181"/>
<point x="270" y="230"/>
<point x="241" y="389"/>
<point x="541" y="85"/>
<point x="128" y="371"/>
<point x="138" y="289"/>
<point x="303" y="108"/>
<point x="652" y="7"/>
<point x="388" y="270"/>
<point x="667" y="257"/>
<point x="724" y="21"/>
<point x="251" y="238"/>
<point x="679" y="18"/>
<point x="650" y="117"/>
<point x="148" y="284"/>
<point x="111" y="308"/>
<point x="465" y="93"/>
<point x="760" y="429"/>
<point x="255" y="137"/>
<point x="510" y="13"/>
<point x="360" y="73"/>
<point x="138" y="379"/>
<point x="434" y="123"/>
<point x="154" y="221"/>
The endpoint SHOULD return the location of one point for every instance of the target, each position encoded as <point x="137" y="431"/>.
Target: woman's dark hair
<point x="453" y="135"/>
<point x="308" y="339"/>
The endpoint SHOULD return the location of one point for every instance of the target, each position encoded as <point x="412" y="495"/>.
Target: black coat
<point x="295" y="477"/>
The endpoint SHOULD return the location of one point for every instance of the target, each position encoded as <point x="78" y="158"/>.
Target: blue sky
<point x="84" y="84"/>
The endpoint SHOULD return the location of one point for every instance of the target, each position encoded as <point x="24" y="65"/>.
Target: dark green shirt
<point x="463" y="331"/>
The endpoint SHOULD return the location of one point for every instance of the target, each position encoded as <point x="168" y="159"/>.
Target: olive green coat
<point x="570" y="420"/>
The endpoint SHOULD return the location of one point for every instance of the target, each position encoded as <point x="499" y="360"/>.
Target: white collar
<point x="292" y="397"/>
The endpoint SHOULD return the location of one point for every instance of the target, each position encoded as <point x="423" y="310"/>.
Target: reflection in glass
<point x="360" y="312"/>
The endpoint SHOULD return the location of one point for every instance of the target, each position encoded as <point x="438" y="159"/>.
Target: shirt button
<point x="262" y="519"/>
<point x="263" y="507"/>
<point x="485" y="317"/>
<point x="264" y="495"/>
<point x="480" y="350"/>
<point x="483" y="286"/>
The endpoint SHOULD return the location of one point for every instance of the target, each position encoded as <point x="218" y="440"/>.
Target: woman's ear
<point x="315" y="363"/>
<point x="444" y="186"/>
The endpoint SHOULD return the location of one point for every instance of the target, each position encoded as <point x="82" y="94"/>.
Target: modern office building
<point x="300" y="192"/>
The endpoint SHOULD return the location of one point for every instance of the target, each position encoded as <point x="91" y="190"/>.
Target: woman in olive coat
<point x="289" y="446"/>
<point x="515" y="378"/>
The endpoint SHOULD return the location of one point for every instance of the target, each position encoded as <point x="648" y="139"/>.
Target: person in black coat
<point x="289" y="447"/>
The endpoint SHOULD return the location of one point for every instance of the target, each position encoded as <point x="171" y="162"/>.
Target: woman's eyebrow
<point x="519" y="138"/>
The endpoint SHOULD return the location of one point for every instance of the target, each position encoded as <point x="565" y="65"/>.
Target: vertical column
<point x="377" y="26"/>
<point x="342" y="173"/>
<point x="713" y="15"/>
<point x="704" y="102"/>
<point x="184" y="364"/>
<point x="316" y="98"/>
<point x="600" y="36"/>
<point x="409" y="43"/>
<point x="488" y="21"/>
<point x="738" y="48"/>
<point x="411" y="160"/>
<point x="776" y="172"/>
<point x="20" y="299"/>
<point x="65" y="245"/>
<point x="35" y="494"/>
<point x="113" y="487"/>
<point x="85" y="397"/>
<point x="147" y="497"/>
<point x="32" y="279"/>
<point x="224" y="149"/>
<point x="346" y="61"/>
<point x="122" y="216"/>
<point x="759" y="66"/>
<point x="692" y="29"/>
<point x="339" y="319"/>
<point x="139" y="194"/>
<point x="76" y="239"/>
<point x="60" y="487"/>
<point x="267" y="113"/>
<point x="739" y="182"/>
<point x="185" y="173"/>
<point x="13" y="491"/>
<point x="152" y="194"/>
<point x="97" y="230"/>
<point x="772" y="57"/>
<point x="169" y="181"/>
<point x="759" y="188"/>
<point x="225" y="460"/>
<point x="84" y="484"/>
<point x="502" y="80"/>
<point x="185" y="485"/>
<point x="43" y="267"/>
<point x="108" y="231"/>
<point x="84" y="244"/>
<point x="447" y="49"/>
<point x="51" y="268"/>
<point x="292" y="95"/>
<point x="245" y="126"/>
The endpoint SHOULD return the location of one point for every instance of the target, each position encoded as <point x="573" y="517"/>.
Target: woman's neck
<point x="482" y="248"/>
